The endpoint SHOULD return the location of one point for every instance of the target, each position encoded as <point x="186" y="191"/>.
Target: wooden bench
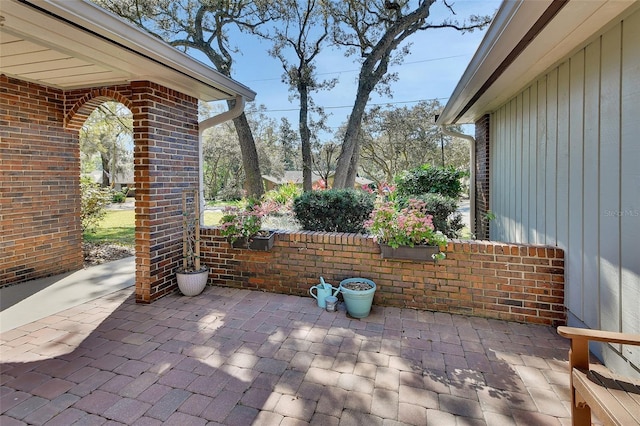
<point x="615" y="400"/>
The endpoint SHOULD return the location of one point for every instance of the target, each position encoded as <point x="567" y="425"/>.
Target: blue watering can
<point x="323" y="290"/>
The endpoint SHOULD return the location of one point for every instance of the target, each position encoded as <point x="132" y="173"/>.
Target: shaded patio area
<point x="240" y="357"/>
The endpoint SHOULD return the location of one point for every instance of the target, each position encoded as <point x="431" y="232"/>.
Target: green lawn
<point x="118" y="227"/>
<point x="212" y="218"/>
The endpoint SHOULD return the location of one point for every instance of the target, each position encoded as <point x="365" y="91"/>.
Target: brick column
<point x="165" y="126"/>
<point x="482" y="177"/>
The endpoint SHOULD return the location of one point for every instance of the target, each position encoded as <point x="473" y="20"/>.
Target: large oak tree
<point x="302" y="29"/>
<point x="203" y="26"/>
<point x="374" y="29"/>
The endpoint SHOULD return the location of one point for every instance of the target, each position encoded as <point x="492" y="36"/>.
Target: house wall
<point x="481" y="278"/>
<point x="40" y="178"/>
<point x="565" y="164"/>
<point x="40" y="229"/>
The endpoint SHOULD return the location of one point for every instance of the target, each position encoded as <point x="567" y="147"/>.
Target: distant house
<point x="295" y="177"/>
<point x="554" y="92"/>
<point x="118" y="182"/>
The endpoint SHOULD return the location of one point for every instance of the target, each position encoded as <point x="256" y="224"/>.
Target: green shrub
<point x="94" y="202"/>
<point x="120" y="196"/>
<point x="429" y="179"/>
<point x="335" y="210"/>
<point x="446" y="218"/>
<point x="283" y="194"/>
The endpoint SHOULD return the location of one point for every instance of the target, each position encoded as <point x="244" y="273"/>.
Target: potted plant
<point x="358" y="296"/>
<point x="242" y="228"/>
<point x="406" y="233"/>
<point x="192" y="276"/>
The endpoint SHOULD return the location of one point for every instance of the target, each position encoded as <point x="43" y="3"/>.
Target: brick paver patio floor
<point x="237" y="357"/>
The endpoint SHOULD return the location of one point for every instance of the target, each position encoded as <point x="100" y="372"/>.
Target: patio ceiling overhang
<point x="75" y="44"/>
<point x="525" y="39"/>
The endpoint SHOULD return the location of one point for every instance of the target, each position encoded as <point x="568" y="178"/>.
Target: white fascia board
<point x="107" y="25"/>
<point x="511" y="23"/>
<point x="574" y="25"/>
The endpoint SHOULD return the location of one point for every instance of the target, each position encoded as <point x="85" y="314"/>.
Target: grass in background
<point x="118" y="227"/>
<point x="212" y="218"/>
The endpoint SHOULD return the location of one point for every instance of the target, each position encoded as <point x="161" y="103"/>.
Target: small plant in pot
<point x="397" y="228"/>
<point x="192" y="276"/>
<point x="242" y="227"/>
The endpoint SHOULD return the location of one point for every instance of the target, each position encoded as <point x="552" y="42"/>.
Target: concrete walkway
<point x="238" y="357"/>
<point x="24" y="303"/>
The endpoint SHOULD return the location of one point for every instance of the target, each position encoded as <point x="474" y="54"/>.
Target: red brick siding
<point x="482" y="177"/>
<point x="79" y="104"/>
<point x="165" y="162"/>
<point x="480" y="278"/>
<point x="40" y="230"/>
<point x="40" y="169"/>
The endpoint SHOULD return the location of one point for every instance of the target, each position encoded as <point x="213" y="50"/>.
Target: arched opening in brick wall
<point x="104" y="122"/>
<point x="106" y="160"/>
<point x="40" y="171"/>
<point x="165" y="138"/>
<point x="106" y="148"/>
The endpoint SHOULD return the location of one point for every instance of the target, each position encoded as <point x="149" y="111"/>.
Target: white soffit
<point x="568" y="30"/>
<point x="73" y="44"/>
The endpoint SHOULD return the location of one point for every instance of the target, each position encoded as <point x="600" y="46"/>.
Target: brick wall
<point x="480" y="278"/>
<point x="482" y="177"/>
<point x="165" y="127"/>
<point x="40" y="230"/>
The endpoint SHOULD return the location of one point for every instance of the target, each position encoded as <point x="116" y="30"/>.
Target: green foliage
<point x="106" y="141"/>
<point x="119" y="227"/>
<point x="429" y="179"/>
<point x="284" y="194"/>
<point x="489" y="216"/>
<point x="410" y="225"/>
<point x="394" y="139"/>
<point x="335" y="210"/>
<point x="277" y="205"/>
<point x="94" y="202"/>
<point x="446" y="219"/>
<point x="120" y="196"/>
<point x="237" y="223"/>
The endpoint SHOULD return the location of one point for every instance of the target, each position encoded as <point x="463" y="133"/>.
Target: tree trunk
<point x="253" y="178"/>
<point x="305" y="139"/>
<point x="347" y="167"/>
<point x="106" y="173"/>
<point x="352" y="173"/>
<point x="372" y="71"/>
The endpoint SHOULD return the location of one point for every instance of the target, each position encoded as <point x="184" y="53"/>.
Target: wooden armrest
<point x="612" y="404"/>
<point x="599" y="335"/>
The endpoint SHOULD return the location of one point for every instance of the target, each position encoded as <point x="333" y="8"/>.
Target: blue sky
<point x="437" y="60"/>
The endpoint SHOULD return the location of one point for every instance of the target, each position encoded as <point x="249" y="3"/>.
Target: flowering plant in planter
<point x="408" y="226"/>
<point x="239" y="223"/>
